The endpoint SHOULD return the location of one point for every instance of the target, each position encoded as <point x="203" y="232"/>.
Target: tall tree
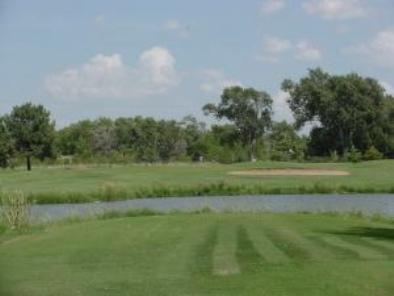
<point x="249" y="109"/>
<point x="32" y="131"/>
<point x="6" y="147"/>
<point x="193" y="132"/>
<point x="348" y="109"/>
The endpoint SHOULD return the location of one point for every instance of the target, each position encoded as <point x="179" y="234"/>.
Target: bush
<point x="372" y="154"/>
<point x="354" y="155"/>
<point x="15" y="209"/>
<point x="110" y="191"/>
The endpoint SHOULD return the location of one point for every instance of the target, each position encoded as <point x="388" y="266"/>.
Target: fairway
<point x="202" y="254"/>
<point x="88" y="183"/>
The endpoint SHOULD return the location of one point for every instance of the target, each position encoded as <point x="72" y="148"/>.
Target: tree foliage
<point x="286" y="144"/>
<point x="347" y="108"/>
<point x="6" y="145"/>
<point x="249" y="109"/>
<point x="32" y="131"/>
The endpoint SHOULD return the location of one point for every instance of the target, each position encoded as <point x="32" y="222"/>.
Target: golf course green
<point x="202" y="254"/>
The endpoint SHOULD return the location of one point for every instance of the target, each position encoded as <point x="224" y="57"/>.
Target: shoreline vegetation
<point x="81" y="184"/>
<point x="113" y="193"/>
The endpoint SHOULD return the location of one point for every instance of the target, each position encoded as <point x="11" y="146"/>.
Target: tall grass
<point x="111" y="191"/>
<point x="15" y="209"/>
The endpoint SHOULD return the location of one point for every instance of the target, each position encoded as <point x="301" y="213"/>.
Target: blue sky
<point x="84" y="59"/>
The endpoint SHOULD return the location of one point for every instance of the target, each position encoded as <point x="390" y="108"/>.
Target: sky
<point x="166" y="59"/>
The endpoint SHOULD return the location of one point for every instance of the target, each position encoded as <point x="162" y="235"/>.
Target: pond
<point x="367" y="204"/>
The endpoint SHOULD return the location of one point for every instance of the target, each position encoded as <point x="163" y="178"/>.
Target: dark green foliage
<point x="6" y="144"/>
<point x="372" y="154"/>
<point x="285" y="143"/>
<point x="349" y="108"/>
<point x="249" y="109"/>
<point x="354" y="155"/>
<point x="32" y="131"/>
<point x="75" y="139"/>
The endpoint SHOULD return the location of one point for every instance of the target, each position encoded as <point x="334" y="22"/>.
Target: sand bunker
<point x="289" y="172"/>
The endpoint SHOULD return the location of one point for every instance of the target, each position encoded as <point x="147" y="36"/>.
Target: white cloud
<point x="273" y="47"/>
<point x="281" y="108"/>
<point x="307" y="52"/>
<point x="175" y="26"/>
<point x="336" y="9"/>
<point x="380" y="49"/>
<point x="214" y="81"/>
<point x="158" y="64"/>
<point x="272" y="6"/>
<point x="108" y="77"/>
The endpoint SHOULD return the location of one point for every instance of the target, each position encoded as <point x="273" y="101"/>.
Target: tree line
<point x="352" y="117"/>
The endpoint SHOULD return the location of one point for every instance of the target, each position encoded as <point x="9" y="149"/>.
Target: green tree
<point x="32" y="131"/>
<point x="75" y="139"/>
<point x="6" y="147"/>
<point x="285" y="143"/>
<point x="103" y="137"/>
<point x="193" y="133"/>
<point x="347" y="108"/>
<point x="249" y="109"/>
<point x="171" y="143"/>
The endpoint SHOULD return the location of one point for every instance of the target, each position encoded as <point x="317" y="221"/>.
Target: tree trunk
<point x="253" y="150"/>
<point x="28" y="162"/>
<point x="342" y="142"/>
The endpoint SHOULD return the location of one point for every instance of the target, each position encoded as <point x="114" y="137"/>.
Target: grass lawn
<point x="81" y="183"/>
<point x="202" y="254"/>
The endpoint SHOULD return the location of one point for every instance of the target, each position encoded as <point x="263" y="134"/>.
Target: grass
<point x="202" y="254"/>
<point x="90" y="183"/>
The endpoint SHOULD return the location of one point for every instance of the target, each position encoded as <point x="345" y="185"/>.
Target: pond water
<point x="367" y="204"/>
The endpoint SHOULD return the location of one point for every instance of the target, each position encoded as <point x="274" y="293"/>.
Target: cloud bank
<point x="107" y="77"/>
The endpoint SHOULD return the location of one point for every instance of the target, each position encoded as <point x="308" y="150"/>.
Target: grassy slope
<point x="206" y="254"/>
<point x="365" y="177"/>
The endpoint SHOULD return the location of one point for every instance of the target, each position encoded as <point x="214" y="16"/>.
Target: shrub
<point x="110" y="191"/>
<point x="372" y="154"/>
<point x="354" y="155"/>
<point x="15" y="209"/>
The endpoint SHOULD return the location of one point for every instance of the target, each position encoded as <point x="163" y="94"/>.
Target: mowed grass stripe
<point x="388" y="245"/>
<point x="180" y="246"/>
<point x="355" y="246"/>
<point x="297" y="246"/>
<point x="265" y="247"/>
<point x="224" y="256"/>
<point x="337" y="251"/>
<point x="383" y="250"/>
<point x="204" y="252"/>
<point x="248" y="257"/>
